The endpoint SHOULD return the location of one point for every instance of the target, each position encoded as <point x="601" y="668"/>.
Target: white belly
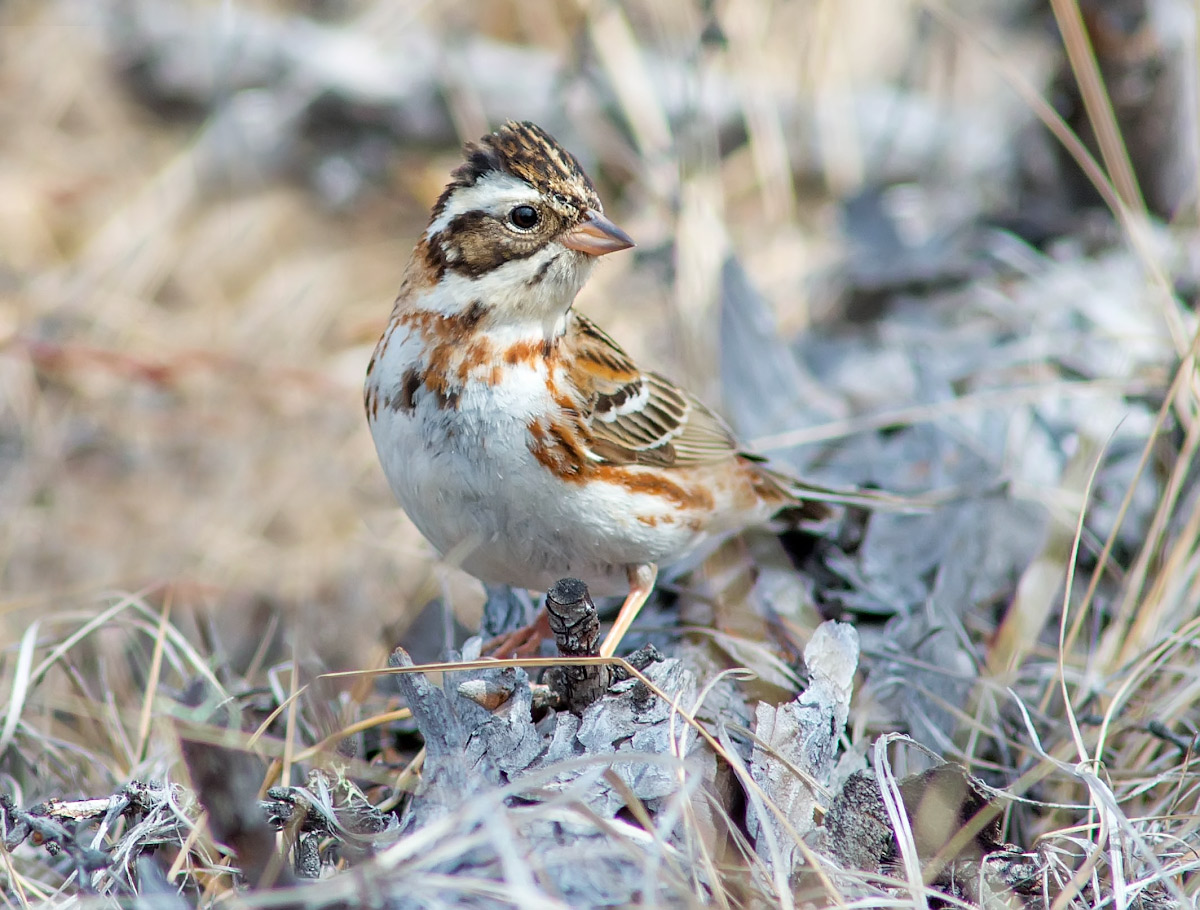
<point x="468" y="480"/>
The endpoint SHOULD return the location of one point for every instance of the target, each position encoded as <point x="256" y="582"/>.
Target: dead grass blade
<point x="22" y="679"/>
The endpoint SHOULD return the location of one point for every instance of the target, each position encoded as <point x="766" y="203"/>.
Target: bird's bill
<point x="597" y="236"/>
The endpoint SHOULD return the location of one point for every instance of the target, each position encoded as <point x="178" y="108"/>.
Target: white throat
<point x="531" y="295"/>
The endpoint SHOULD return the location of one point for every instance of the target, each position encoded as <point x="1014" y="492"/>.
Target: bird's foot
<point x="523" y="642"/>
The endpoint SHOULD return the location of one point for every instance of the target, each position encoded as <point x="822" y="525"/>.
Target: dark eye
<point x="523" y="217"/>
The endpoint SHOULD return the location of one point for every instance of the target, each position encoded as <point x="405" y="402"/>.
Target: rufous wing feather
<point x="637" y="417"/>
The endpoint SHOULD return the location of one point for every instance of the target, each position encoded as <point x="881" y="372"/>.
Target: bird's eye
<point x="524" y="217"/>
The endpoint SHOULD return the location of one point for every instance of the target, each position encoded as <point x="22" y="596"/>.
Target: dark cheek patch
<point x="477" y="243"/>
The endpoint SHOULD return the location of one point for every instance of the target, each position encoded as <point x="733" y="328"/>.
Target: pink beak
<point x="597" y="236"/>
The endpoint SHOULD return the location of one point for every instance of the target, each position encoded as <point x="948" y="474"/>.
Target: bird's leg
<point x="641" y="583"/>
<point x="523" y="642"/>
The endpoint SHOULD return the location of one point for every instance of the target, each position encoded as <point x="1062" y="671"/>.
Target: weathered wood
<point x="797" y="741"/>
<point x="576" y="627"/>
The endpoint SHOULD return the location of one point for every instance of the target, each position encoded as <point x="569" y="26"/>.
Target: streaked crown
<point x="527" y="152"/>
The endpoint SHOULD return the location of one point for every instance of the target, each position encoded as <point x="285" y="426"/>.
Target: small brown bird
<point x="519" y="438"/>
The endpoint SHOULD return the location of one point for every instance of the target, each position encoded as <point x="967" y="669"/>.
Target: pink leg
<point x="523" y="642"/>
<point x="641" y="583"/>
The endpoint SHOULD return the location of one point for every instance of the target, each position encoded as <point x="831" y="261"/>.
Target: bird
<point x="520" y="439"/>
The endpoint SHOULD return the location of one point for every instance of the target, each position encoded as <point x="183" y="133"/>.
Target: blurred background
<point x="850" y="206"/>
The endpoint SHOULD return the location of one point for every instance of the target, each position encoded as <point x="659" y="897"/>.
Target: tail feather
<point x="779" y="489"/>
<point x="810" y="502"/>
<point x="875" y="500"/>
<point x="882" y="501"/>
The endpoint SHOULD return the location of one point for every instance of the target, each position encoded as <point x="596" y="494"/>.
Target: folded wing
<point x="636" y="417"/>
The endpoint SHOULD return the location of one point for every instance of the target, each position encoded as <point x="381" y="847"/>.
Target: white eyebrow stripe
<point x="492" y="192"/>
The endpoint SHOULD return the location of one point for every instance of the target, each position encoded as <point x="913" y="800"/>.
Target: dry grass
<point x="188" y="491"/>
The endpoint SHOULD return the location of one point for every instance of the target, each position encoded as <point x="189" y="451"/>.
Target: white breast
<point x="468" y="480"/>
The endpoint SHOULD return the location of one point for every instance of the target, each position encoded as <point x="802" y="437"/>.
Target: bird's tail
<point x="874" y="500"/>
<point x="805" y="501"/>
